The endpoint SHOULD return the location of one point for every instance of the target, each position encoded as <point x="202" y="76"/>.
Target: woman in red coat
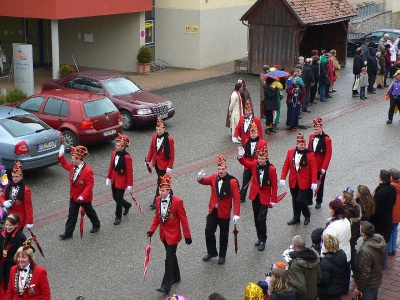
<point x="28" y="280"/>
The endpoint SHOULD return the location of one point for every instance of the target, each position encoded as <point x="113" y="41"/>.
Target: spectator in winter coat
<point x="280" y="286"/>
<point x="372" y="68"/>
<point x="395" y="181"/>
<point x="380" y="79"/>
<point x="358" y="63"/>
<point x="308" y="79"/>
<point x="336" y="69"/>
<point x="315" y="69"/>
<point x="366" y="202"/>
<point x="363" y="82"/>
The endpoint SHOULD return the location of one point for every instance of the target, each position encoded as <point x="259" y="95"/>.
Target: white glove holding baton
<point x="240" y="151"/>
<point x="235" y="219"/>
<point x="313" y="186"/>
<point x="61" y="151"/>
<point x="108" y="182"/>
<point x="8" y="203"/>
<point x="201" y="174"/>
<point x="282" y="182"/>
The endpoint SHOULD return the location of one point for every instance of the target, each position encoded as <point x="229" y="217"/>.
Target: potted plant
<point x="144" y="59"/>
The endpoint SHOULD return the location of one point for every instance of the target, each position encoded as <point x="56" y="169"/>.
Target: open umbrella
<point x="277" y="73"/>
<point x="148" y="166"/>
<point x="36" y="242"/>
<point x="235" y="233"/>
<point x="82" y="222"/>
<point x="135" y="199"/>
<point x="146" y="259"/>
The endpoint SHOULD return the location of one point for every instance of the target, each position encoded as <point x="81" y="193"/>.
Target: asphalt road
<point x="109" y="264"/>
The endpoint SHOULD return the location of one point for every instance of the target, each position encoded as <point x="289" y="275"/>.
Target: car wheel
<point x="127" y="120"/>
<point x="69" y="139"/>
<point x="351" y="51"/>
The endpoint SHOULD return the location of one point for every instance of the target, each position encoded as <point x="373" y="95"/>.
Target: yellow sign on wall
<point x="192" y="29"/>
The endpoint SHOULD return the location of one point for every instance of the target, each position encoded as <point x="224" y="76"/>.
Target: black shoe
<point x="242" y="200"/>
<point x="153" y="206"/>
<point x="162" y="290"/>
<point x="293" y="221"/>
<point x="371" y="92"/>
<point x="221" y="261"/>
<point x="307" y="111"/>
<point x="386" y="85"/>
<point x="261" y="247"/>
<point x="94" y="230"/>
<point x="117" y="221"/>
<point x="176" y="281"/>
<point x="378" y="86"/>
<point x="300" y="117"/>
<point x="126" y="209"/>
<point x="389" y="122"/>
<point x="267" y="132"/>
<point x="65" y="236"/>
<point x="257" y="243"/>
<point x="208" y="257"/>
<point x="328" y="96"/>
<point x="318" y="205"/>
<point x="306" y="221"/>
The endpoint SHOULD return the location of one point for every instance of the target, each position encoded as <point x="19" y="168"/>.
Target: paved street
<point x="109" y="264"/>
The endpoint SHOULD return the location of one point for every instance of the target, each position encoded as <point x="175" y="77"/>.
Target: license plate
<point x="47" y="145"/>
<point x="110" y="132"/>
<point x="163" y="116"/>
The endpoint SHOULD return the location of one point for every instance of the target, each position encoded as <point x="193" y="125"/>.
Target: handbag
<point x="356" y="85"/>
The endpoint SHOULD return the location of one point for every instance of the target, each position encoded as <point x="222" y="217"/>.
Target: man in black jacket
<point x="372" y="69"/>
<point x="308" y="79"/>
<point x="358" y="64"/>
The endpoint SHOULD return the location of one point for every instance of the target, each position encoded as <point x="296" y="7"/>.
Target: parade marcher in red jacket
<point x="170" y="215"/>
<point x="120" y="176"/>
<point x="28" y="280"/>
<point x="81" y="189"/>
<point x="161" y="154"/>
<point x="302" y="168"/>
<point x="242" y="129"/>
<point x="321" y="144"/>
<point x="251" y="146"/>
<point x="17" y="198"/>
<point x="224" y="193"/>
<point x="263" y="191"/>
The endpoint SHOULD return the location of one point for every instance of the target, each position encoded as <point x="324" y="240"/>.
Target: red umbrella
<point x="247" y="184"/>
<point x="235" y="233"/>
<point x="146" y="259"/>
<point x="135" y="199"/>
<point x="148" y="166"/>
<point x="279" y="198"/>
<point x="36" y="242"/>
<point x="318" y="185"/>
<point x="82" y="222"/>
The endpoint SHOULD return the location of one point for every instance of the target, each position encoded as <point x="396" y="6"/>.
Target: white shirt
<point x="76" y="171"/>
<point x="247" y="122"/>
<point x="164" y="207"/>
<point x="22" y="277"/>
<point x="159" y="142"/>
<point x="252" y="147"/>
<point x="315" y="142"/>
<point x="261" y="174"/>
<point x="297" y="159"/>
<point x="116" y="159"/>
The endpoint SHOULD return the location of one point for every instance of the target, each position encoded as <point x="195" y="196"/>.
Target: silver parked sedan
<point x="25" y="138"/>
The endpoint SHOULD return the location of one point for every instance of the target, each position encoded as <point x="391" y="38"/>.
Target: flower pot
<point x="143" y="68"/>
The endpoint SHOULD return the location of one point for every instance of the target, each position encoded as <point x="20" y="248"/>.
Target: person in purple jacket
<point x="394" y="95"/>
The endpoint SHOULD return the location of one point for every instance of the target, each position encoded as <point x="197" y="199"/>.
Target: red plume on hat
<point x="248" y="105"/>
<point x="165" y="181"/>
<point x="317" y="122"/>
<point x="160" y="123"/>
<point x="123" y="140"/>
<point x="17" y="168"/>
<point x="301" y="138"/>
<point x="27" y="244"/>
<point x="79" y="151"/>
<point x="263" y="152"/>
<point x="221" y="162"/>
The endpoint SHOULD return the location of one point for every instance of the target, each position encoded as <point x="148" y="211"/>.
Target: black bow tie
<point x="164" y="201"/>
<point x="22" y="269"/>
<point x="261" y="167"/>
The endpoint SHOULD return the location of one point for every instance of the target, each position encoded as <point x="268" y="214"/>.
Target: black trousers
<point x="371" y="82"/>
<point x="171" y="272"/>
<point x="313" y="92"/>
<point x="118" y="195"/>
<point x="260" y="219"/>
<point x="269" y="118"/>
<point x="299" y="202"/>
<point x="246" y="179"/>
<point x="159" y="174"/>
<point x="393" y="103"/>
<point x="73" y="216"/>
<point x="211" y="227"/>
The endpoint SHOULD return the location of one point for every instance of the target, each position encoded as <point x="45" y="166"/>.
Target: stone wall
<point x="361" y="26"/>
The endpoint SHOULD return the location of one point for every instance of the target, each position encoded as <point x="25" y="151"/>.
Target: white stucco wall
<point x="116" y="41"/>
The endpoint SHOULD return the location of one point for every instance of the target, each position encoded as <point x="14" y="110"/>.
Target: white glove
<point x="61" y="151"/>
<point x="108" y="182"/>
<point x="272" y="204"/>
<point x="201" y="174"/>
<point x="8" y="203"/>
<point x="80" y="198"/>
<point x="323" y="171"/>
<point x="29" y="226"/>
<point x="282" y="182"/>
<point x="235" y="219"/>
<point x="129" y="188"/>
<point x="313" y="186"/>
<point x="235" y="140"/>
<point x="240" y="151"/>
<point x="168" y="170"/>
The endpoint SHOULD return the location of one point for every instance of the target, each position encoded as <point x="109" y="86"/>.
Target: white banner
<point x="23" y="68"/>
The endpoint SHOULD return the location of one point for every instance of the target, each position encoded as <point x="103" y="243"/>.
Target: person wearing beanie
<point x="280" y="287"/>
<point x="224" y="195"/>
<point x="263" y="191"/>
<point x="81" y="181"/>
<point x="242" y="129"/>
<point x="170" y="216"/>
<point x="301" y="166"/>
<point x="161" y="154"/>
<point x="120" y="176"/>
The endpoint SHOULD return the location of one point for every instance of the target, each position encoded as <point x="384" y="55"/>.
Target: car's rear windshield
<point x="99" y="107"/>
<point x="121" y="86"/>
<point x="22" y="125"/>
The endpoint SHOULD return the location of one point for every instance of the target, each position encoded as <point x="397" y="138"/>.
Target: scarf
<point x="303" y="160"/>
<point x="121" y="166"/>
<point x="225" y="191"/>
<point x="165" y="145"/>
<point x="21" y="189"/>
<point x="321" y="145"/>
<point x="265" y="181"/>
<point x="247" y="147"/>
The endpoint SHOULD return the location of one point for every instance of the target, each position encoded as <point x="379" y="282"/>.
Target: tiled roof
<point x="321" y="11"/>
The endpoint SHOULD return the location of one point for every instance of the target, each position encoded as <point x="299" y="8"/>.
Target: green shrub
<point x="145" y="55"/>
<point x="13" y="96"/>
<point x="66" y="70"/>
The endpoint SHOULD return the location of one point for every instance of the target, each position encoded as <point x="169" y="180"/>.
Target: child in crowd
<point x="363" y="82"/>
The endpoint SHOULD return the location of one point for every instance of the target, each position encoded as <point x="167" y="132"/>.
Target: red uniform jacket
<point x="260" y="145"/>
<point x="38" y="288"/>
<point x="239" y="130"/>
<point x="322" y="156"/>
<point x="83" y="185"/>
<point x="224" y="204"/>
<point x="22" y="207"/>
<point x="307" y="173"/>
<point x="268" y="193"/>
<point x="159" y="158"/>
<point x="170" y="229"/>
<point x="121" y="181"/>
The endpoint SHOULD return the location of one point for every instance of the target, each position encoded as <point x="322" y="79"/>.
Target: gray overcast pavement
<point x="109" y="265"/>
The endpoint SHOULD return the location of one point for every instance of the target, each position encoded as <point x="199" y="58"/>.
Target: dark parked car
<point x="83" y="117"/>
<point x="373" y="37"/>
<point x="27" y="139"/>
<point x="137" y="106"/>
